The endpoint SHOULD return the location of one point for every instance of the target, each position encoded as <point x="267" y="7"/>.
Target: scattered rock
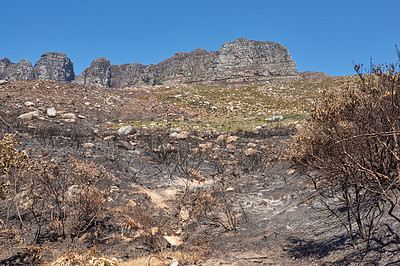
<point x="179" y="135"/>
<point x="274" y="118"/>
<point x="88" y="145"/>
<point x="69" y="116"/>
<point x="230" y="147"/>
<point x="250" y="152"/>
<point x="29" y="104"/>
<point x="51" y="112"/>
<point x="29" y="116"/>
<point x="126" y="131"/>
<point x="252" y="145"/>
<point x="131" y="204"/>
<point x="173" y="240"/>
<point x="174" y="262"/>
<point x="221" y="138"/>
<point x="231" y="139"/>
<point x="207" y="145"/>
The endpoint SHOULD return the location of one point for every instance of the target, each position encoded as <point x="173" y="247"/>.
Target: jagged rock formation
<point x="239" y="61"/>
<point x="314" y="75"/>
<point x="128" y="75"/>
<point x="5" y="68"/>
<point x="23" y="70"/>
<point x="98" y="73"/>
<point x="54" y="66"/>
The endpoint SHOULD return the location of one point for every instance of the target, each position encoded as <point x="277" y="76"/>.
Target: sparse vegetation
<point x="351" y="138"/>
<point x="205" y="177"/>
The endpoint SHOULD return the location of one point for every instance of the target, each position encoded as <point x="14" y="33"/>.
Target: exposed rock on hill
<point x="239" y="61"/>
<point x="5" y="68"/>
<point x="98" y="73"/>
<point x="23" y="70"/>
<point x="54" y="66"/>
<point x="314" y="75"/>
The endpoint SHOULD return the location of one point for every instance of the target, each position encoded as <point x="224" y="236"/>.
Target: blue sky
<point x="321" y="35"/>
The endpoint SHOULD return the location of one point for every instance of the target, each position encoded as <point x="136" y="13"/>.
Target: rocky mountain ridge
<point x="239" y="61"/>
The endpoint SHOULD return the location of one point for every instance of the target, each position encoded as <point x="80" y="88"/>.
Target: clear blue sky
<point x="321" y="35"/>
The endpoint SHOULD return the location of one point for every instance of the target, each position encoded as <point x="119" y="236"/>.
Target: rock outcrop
<point x="98" y="73"/>
<point x="23" y="70"/>
<point x="239" y="61"/>
<point x="6" y="67"/>
<point x="54" y="66"/>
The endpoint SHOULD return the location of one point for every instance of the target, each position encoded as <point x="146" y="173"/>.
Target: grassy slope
<point x="232" y="107"/>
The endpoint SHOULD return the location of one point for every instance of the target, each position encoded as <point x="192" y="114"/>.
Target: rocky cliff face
<point x="5" y="67"/>
<point x="239" y="61"/>
<point x="23" y="70"/>
<point x="99" y="73"/>
<point x="54" y="66"/>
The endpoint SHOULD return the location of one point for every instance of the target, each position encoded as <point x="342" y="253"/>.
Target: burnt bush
<point x="352" y="139"/>
<point x="49" y="200"/>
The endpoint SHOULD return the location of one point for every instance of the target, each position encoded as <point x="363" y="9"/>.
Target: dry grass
<point x="233" y="107"/>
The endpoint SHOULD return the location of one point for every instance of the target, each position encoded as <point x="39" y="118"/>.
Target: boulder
<point x="69" y="116"/>
<point x="29" y="116"/>
<point x="51" y="112"/>
<point x="179" y="135"/>
<point x="126" y="131"/>
<point x="29" y="103"/>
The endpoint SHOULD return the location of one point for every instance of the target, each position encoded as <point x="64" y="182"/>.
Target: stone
<point x="131" y="204"/>
<point x="274" y="118"/>
<point x="29" y="104"/>
<point x="174" y="262"/>
<point x="29" y="116"/>
<point x="69" y="116"/>
<point x="250" y="152"/>
<point x="173" y="240"/>
<point x="179" y="135"/>
<point x="88" y="145"/>
<point x="231" y="139"/>
<point x="81" y="117"/>
<point x="70" y="120"/>
<point x="230" y="147"/>
<point x="126" y="131"/>
<point x="54" y="66"/>
<point x="3" y="82"/>
<point x="51" y="112"/>
<point x="221" y="138"/>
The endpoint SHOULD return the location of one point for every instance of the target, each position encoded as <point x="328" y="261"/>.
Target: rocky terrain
<point x="235" y="62"/>
<point x="149" y="175"/>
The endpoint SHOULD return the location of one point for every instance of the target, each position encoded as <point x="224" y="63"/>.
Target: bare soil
<point x="256" y="209"/>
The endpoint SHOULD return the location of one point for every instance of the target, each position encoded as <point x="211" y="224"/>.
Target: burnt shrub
<point x="352" y="139"/>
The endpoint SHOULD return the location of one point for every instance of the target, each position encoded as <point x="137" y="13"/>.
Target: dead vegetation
<point x="214" y="189"/>
<point x="351" y="138"/>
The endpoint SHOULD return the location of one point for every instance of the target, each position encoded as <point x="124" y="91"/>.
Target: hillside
<point x="202" y="177"/>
